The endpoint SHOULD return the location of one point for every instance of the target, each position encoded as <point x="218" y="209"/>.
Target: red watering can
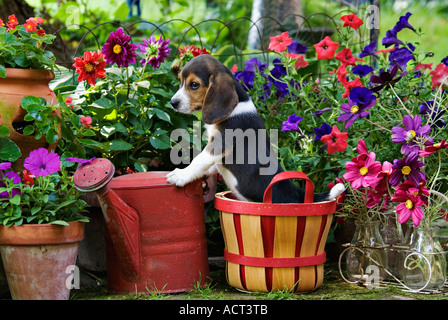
<point x="156" y="231"/>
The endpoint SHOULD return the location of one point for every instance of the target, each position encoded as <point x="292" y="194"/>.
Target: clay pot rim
<point x="31" y="74"/>
<point x="42" y="234"/>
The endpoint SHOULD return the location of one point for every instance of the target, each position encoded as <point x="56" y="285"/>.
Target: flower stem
<point x="401" y="102"/>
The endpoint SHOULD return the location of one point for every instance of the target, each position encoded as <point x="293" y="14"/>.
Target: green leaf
<point x="15" y="200"/>
<point x="120" y="145"/>
<point x="103" y="103"/>
<point x="60" y="222"/>
<point x="162" y="115"/>
<point x="4" y="131"/>
<point x="29" y="130"/>
<point x="9" y="151"/>
<point x="160" y="142"/>
<point x="2" y="71"/>
<point x="30" y="100"/>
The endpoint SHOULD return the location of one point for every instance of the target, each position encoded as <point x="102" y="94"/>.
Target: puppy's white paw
<point x="179" y="177"/>
<point x="336" y="191"/>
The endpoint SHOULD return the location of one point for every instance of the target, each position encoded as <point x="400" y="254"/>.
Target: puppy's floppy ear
<point x="221" y="98"/>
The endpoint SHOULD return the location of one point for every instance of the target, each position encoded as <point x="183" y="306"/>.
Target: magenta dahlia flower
<point x="40" y="162"/>
<point x="154" y="51"/>
<point x="119" y="49"/>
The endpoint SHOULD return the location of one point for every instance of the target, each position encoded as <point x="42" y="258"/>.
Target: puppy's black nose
<point x="175" y="103"/>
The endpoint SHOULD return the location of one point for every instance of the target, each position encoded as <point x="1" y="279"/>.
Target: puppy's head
<point x="207" y="85"/>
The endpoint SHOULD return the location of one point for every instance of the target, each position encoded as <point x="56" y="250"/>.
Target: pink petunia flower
<point x="280" y="43"/>
<point x="326" y="48"/>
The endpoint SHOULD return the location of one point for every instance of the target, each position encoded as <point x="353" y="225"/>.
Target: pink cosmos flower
<point x="362" y="171"/>
<point x="409" y="206"/>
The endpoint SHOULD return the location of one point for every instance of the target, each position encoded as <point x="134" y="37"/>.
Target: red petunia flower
<point x="341" y="74"/>
<point x="439" y="76"/>
<point x="423" y="66"/>
<point x="280" y="43"/>
<point x="91" y="68"/>
<point x="12" y="22"/>
<point x="336" y="140"/>
<point x="326" y="48"/>
<point x="300" y="62"/>
<point x="193" y="50"/>
<point x="346" y="57"/>
<point x="28" y="178"/>
<point x="350" y="85"/>
<point x="352" y="21"/>
<point x="30" y="25"/>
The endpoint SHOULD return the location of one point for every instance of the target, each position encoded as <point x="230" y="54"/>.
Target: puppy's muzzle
<point x="175" y="103"/>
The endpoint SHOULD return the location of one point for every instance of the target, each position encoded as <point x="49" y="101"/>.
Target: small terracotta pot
<point x="20" y="83"/>
<point x="38" y="259"/>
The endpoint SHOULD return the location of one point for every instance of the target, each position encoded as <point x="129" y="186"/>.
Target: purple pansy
<point x="119" y="49"/>
<point x="369" y="50"/>
<point x="360" y="99"/>
<point x="154" y="51"/>
<point x="408" y="168"/>
<point x="362" y="70"/>
<point x="408" y="135"/>
<point x="324" y="129"/>
<point x="40" y="162"/>
<point x="292" y="124"/>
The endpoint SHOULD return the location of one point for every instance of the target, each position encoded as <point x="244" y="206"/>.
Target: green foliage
<point x="21" y="49"/>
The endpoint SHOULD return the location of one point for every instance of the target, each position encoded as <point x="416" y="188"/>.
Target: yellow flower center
<point x="363" y="171"/>
<point x="117" y="49"/>
<point x="436" y="145"/>
<point x="406" y="170"/>
<point x="88" y="67"/>
<point x="354" y="109"/>
<point x="409" y="204"/>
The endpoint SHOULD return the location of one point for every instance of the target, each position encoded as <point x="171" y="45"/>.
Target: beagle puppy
<point x="230" y="117"/>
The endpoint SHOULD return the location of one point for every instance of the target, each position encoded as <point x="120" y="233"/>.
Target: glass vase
<point x="425" y="262"/>
<point x="366" y="259"/>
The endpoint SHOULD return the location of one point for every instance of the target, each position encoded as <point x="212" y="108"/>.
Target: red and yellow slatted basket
<point x="275" y="246"/>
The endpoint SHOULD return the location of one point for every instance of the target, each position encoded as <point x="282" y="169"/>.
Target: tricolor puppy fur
<point x="207" y="85"/>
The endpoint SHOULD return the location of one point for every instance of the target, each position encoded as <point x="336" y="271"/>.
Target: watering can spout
<point x="122" y="220"/>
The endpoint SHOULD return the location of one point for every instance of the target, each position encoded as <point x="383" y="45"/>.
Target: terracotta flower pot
<point x="38" y="257"/>
<point x="20" y="83"/>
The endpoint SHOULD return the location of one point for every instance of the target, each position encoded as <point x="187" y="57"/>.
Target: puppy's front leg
<point x="197" y="169"/>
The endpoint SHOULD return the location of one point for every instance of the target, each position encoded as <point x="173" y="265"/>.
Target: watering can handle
<point x="309" y="187"/>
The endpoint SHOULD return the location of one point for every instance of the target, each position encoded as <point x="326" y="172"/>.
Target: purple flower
<point x="403" y="23"/>
<point x="369" y="50"/>
<point x="324" y="129"/>
<point x="362" y="96"/>
<point x="119" y="49"/>
<point x="432" y="114"/>
<point x="320" y="112"/>
<point x="154" y="51"/>
<point x="9" y="175"/>
<point x="279" y="69"/>
<point x="297" y="48"/>
<point x="362" y="70"/>
<point x="359" y="101"/>
<point x="391" y="39"/>
<point x="408" y="168"/>
<point x="248" y="74"/>
<point x="401" y="56"/>
<point x="78" y="160"/>
<point x="445" y="61"/>
<point x="408" y="135"/>
<point x="5" y="165"/>
<point x="386" y="78"/>
<point x="40" y="162"/>
<point x="292" y="124"/>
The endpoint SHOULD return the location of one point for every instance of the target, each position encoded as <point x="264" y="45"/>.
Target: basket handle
<point x="309" y="187"/>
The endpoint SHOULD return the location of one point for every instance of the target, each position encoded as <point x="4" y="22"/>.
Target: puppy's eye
<point x="194" y="85"/>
